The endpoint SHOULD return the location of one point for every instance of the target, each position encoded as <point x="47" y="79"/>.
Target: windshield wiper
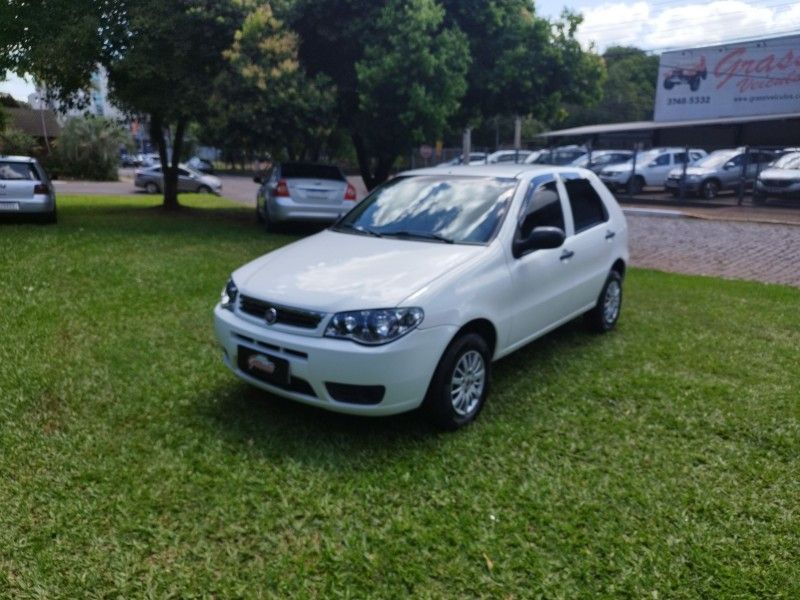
<point x="425" y="235"/>
<point x="359" y="229"/>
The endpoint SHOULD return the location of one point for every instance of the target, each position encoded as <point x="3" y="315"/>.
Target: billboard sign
<point x="733" y="80"/>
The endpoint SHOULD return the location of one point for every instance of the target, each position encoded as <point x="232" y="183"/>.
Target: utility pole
<point x="517" y="136"/>
<point x="466" y="146"/>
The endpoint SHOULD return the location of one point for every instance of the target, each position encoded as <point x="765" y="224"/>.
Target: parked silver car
<point x="720" y="170"/>
<point x="602" y="158"/>
<point x="26" y="189"/>
<point x="151" y="179"/>
<point x="781" y="178"/>
<point x="297" y="191"/>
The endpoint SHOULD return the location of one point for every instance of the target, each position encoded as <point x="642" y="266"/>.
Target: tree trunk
<point x="169" y="169"/>
<point x="383" y="164"/>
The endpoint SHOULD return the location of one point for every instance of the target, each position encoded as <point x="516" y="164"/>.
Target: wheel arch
<point x="483" y="327"/>
<point x="619" y="267"/>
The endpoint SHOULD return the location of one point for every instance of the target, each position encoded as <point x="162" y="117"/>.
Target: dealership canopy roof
<point x="633" y="126"/>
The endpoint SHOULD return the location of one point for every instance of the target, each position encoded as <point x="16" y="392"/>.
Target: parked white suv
<point x="411" y="295"/>
<point x="651" y="169"/>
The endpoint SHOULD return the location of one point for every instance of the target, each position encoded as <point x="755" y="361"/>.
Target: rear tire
<point x="604" y="316"/>
<point x="460" y="384"/>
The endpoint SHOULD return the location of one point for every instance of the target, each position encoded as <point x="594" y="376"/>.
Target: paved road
<point x="756" y="251"/>
<point x="236" y="187"/>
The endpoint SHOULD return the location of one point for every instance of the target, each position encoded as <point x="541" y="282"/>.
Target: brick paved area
<point x="735" y="250"/>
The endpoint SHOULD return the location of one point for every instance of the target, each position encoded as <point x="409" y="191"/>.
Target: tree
<point x="264" y="101"/>
<point x="406" y="62"/>
<point x="409" y="84"/>
<point x="161" y="57"/>
<point x="628" y="91"/>
<point x="13" y="141"/>
<point x="398" y="71"/>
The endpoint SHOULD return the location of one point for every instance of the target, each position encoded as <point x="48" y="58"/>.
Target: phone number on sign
<point x="689" y="100"/>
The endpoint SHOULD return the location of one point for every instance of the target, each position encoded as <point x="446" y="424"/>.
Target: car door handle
<point x="567" y="254"/>
<point x="610" y="234"/>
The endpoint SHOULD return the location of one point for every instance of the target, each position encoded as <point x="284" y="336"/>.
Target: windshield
<point x="715" y="159"/>
<point x="789" y="161"/>
<point x="437" y="208"/>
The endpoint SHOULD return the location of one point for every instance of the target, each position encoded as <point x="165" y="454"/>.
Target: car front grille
<point x="285" y="315"/>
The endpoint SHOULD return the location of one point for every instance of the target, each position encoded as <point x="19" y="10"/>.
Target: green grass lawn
<point x="659" y="461"/>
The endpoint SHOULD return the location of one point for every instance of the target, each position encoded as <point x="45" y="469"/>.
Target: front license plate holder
<point x="264" y="366"/>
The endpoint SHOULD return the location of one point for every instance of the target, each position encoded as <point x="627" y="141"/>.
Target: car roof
<point x="515" y="171"/>
<point x="11" y="158"/>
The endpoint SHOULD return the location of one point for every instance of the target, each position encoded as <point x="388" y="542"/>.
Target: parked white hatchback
<point x="406" y="300"/>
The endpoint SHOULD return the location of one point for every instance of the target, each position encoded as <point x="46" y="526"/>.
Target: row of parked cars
<point x="769" y="172"/>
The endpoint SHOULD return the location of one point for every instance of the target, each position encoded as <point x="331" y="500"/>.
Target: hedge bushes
<point x="88" y="148"/>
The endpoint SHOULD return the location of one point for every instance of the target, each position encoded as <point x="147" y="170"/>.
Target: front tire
<point x="604" y="316"/>
<point x="709" y="189"/>
<point x="636" y="184"/>
<point x="204" y="189"/>
<point x="151" y="188"/>
<point x="459" y="387"/>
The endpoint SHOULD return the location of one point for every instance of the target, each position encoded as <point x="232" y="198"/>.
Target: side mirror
<point x="728" y="166"/>
<point x="541" y="238"/>
<point x="257" y="178"/>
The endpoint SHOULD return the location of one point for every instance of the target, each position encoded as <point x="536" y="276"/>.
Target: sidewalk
<point x="724" y="208"/>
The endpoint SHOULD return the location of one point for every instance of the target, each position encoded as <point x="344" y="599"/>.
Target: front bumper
<point x="615" y="180"/>
<point x="691" y="185"/>
<point x="769" y="189"/>
<point x="403" y="367"/>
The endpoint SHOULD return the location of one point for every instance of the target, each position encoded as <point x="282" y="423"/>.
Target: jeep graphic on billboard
<point x="732" y="80"/>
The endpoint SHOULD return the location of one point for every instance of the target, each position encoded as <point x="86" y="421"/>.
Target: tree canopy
<point x="283" y="75"/>
<point x="628" y="91"/>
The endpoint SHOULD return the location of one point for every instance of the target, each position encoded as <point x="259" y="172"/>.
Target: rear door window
<point x="17" y="171"/>
<point x="310" y="171"/>
<point x="587" y="207"/>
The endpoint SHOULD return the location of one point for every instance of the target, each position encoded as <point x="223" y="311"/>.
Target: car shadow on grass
<point x="276" y="428"/>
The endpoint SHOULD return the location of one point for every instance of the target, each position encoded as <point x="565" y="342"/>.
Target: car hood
<point x="331" y="271"/>
<point x="782" y="174"/>
<point x="619" y="168"/>
<point x="678" y="171"/>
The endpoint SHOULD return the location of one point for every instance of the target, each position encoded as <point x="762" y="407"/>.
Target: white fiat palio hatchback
<point x="406" y="300"/>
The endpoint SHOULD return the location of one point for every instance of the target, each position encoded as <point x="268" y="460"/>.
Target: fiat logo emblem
<point x="271" y="316"/>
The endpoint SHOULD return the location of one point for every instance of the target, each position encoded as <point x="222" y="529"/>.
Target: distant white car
<point x="508" y="156"/>
<point x="408" y="298"/>
<point x="651" y="169"/>
<point x="475" y="158"/>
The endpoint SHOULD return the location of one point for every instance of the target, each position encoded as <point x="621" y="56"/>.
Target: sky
<point x="653" y="25"/>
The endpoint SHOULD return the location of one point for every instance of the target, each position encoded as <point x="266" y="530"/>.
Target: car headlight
<point x="228" y="295"/>
<point x="373" y="327"/>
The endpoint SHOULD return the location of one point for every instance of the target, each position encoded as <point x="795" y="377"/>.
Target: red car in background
<point x="691" y="72"/>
